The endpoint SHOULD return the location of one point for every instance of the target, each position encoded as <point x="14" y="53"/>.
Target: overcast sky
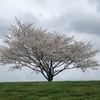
<point x="80" y="18"/>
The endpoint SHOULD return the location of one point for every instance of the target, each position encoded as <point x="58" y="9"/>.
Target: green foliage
<point x="71" y="90"/>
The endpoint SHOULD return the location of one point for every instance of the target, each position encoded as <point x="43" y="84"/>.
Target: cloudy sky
<point x="80" y="18"/>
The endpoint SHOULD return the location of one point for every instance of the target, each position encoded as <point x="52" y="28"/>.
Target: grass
<point x="71" y="90"/>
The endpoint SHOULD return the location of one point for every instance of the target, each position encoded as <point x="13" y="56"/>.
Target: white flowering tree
<point x="45" y="52"/>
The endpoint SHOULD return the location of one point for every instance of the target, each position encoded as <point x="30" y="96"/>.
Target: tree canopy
<point x="45" y="52"/>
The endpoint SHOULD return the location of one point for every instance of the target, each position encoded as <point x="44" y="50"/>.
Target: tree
<point x="45" y="52"/>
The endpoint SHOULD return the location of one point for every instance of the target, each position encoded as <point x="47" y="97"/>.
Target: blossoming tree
<point x="45" y="52"/>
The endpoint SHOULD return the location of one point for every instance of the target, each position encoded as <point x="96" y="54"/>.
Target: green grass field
<point x="71" y="90"/>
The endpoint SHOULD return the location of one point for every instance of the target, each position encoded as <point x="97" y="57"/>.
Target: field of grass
<point x="71" y="90"/>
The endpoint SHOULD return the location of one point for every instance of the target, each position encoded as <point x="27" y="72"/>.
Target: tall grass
<point x="71" y="90"/>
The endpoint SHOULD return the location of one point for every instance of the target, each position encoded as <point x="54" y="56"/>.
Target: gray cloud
<point x="72" y="18"/>
<point x="4" y="24"/>
<point x="79" y="23"/>
<point x="96" y="3"/>
<point x="86" y="24"/>
<point x="56" y="15"/>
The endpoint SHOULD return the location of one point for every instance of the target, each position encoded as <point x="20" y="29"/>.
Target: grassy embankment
<point x="71" y="90"/>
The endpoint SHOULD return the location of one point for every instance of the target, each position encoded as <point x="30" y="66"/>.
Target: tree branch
<point x="65" y="67"/>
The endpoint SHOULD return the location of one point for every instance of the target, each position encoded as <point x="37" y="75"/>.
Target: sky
<point x="78" y="18"/>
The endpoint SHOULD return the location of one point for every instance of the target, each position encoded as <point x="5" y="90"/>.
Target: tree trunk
<point x="50" y="78"/>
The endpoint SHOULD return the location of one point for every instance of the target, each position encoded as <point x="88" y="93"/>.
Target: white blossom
<point x="45" y="52"/>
